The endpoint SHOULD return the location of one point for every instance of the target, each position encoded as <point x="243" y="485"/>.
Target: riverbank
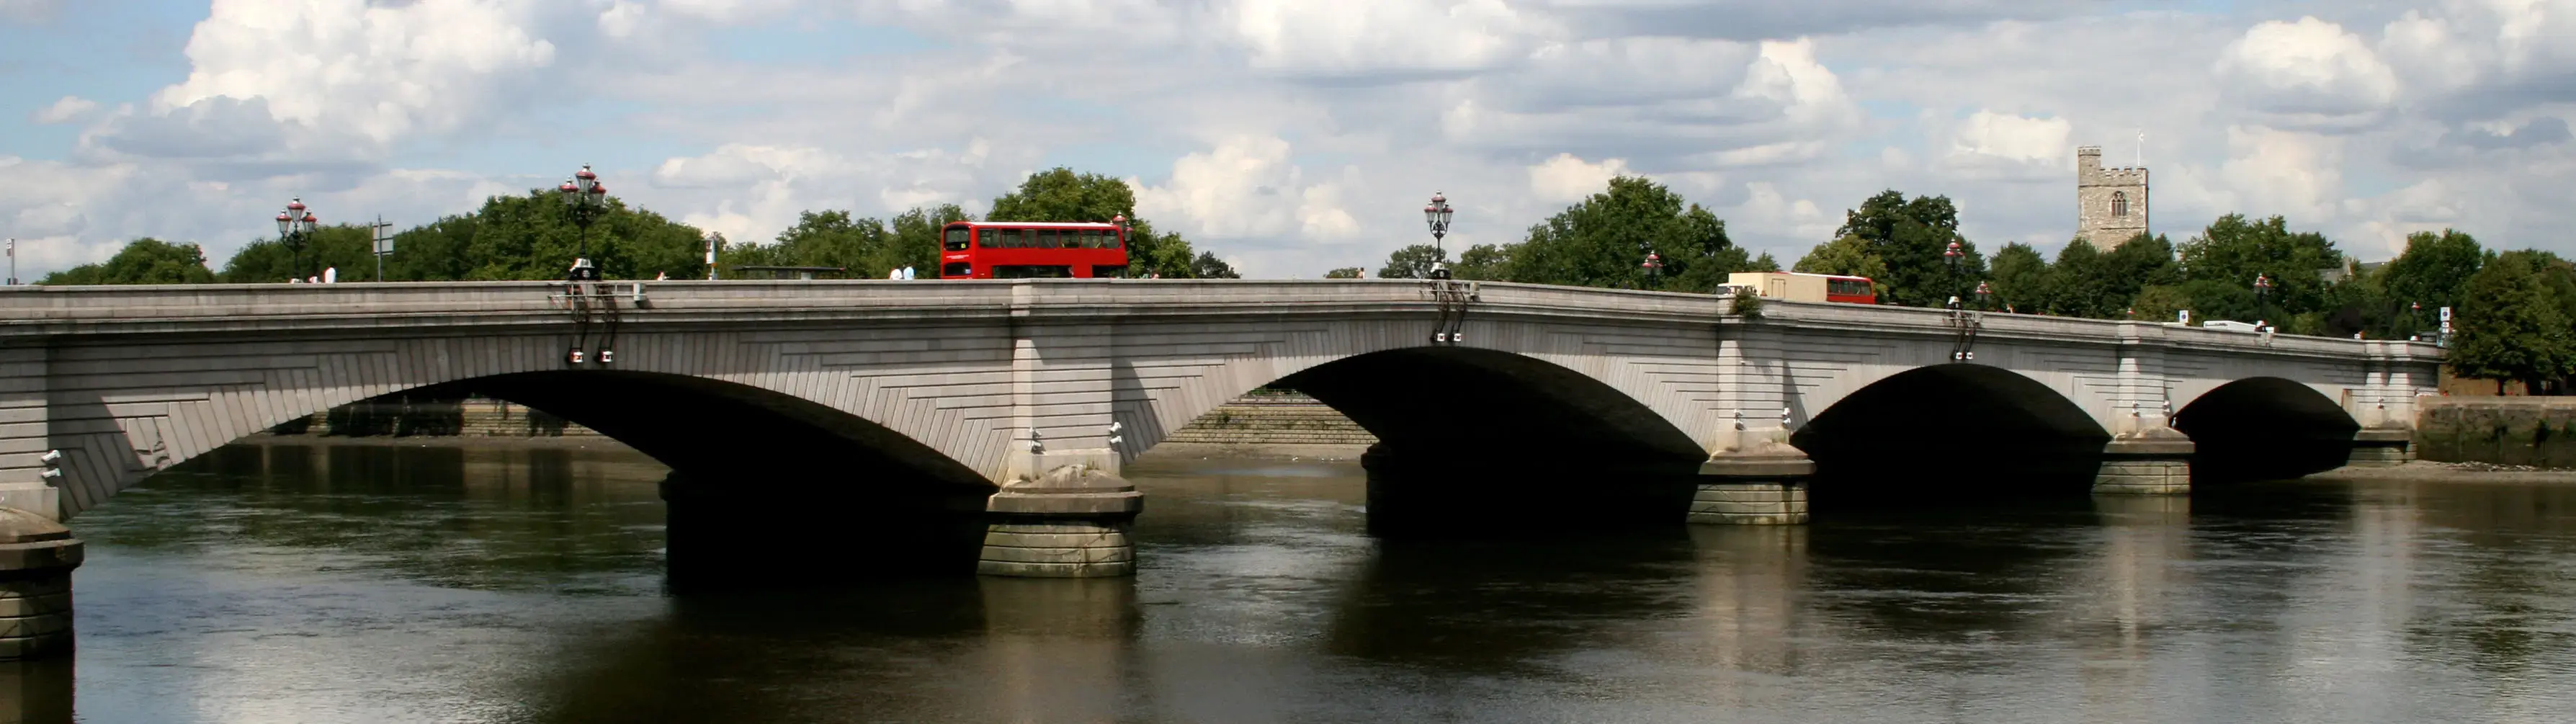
<point x="2442" y="472"/>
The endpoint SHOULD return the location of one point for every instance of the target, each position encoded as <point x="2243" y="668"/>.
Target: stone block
<point x="42" y="624"/>
<point x="2143" y="477"/>
<point x="57" y="603"/>
<point x="1749" y="504"/>
<point x="46" y="646"/>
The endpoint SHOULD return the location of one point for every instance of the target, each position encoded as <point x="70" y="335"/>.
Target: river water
<point x="278" y="583"/>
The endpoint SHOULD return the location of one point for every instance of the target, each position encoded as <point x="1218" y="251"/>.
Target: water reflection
<point x="383" y="583"/>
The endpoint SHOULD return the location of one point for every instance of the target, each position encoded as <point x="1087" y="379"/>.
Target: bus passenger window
<point x="1046" y="239"/>
<point x="956" y="269"/>
<point x="956" y="238"/>
<point x="1109" y="240"/>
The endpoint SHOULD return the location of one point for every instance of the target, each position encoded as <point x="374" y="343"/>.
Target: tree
<point x="1483" y="262"/>
<point x="1207" y="266"/>
<point x="1909" y="237"/>
<point x="1763" y="263"/>
<point x="1348" y="272"/>
<point x="2161" y="303"/>
<point x="2431" y="272"/>
<point x="2233" y="250"/>
<point x="1412" y="262"/>
<point x="1847" y="256"/>
<point x="2020" y="278"/>
<point x="2079" y="284"/>
<point x="1060" y="194"/>
<point x="345" y="247"/>
<point x="143" y="261"/>
<point x="1602" y="241"/>
<point x="2512" y="327"/>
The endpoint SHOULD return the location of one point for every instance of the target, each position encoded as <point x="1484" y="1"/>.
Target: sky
<point x="1288" y="136"/>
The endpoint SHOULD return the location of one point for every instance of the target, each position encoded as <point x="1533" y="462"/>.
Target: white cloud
<point x="2310" y="72"/>
<point x="1348" y="37"/>
<point x="346" y="69"/>
<point x="32" y="11"/>
<point x="1564" y="178"/>
<point x="2284" y="172"/>
<point x="1244" y="187"/>
<point x="66" y="110"/>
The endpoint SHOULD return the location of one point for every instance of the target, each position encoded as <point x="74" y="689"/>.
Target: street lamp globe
<point x="1984" y="294"/>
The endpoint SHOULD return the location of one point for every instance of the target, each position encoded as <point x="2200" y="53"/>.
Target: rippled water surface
<point x="366" y="583"/>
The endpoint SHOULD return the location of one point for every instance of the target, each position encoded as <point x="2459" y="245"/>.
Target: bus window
<point x="956" y="269"/>
<point x="1106" y="271"/>
<point x="1047" y="239"/>
<point x="1084" y="239"/>
<point x="956" y="238"/>
<point x="1109" y="240"/>
<point x="1032" y="271"/>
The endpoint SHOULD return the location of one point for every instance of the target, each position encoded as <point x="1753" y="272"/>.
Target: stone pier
<point x="2382" y="448"/>
<point x="1761" y="480"/>
<point x="1069" y="523"/>
<point x="2150" y="460"/>
<point x="37" y="556"/>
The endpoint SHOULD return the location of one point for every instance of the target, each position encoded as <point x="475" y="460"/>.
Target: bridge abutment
<point x="1071" y="522"/>
<point x="2152" y="460"/>
<point x="37" y="556"/>
<point x="1764" y="485"/>
<point x="2381" y="448"/>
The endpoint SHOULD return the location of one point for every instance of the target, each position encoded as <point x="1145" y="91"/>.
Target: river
<point x="279" y="583"/>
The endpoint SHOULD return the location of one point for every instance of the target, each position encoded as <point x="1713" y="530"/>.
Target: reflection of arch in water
<point x="1950" y="431"/>
<point x="1470" y="437"/>
<point x="2265" y="428"/>
<point x="1508" y="606"/>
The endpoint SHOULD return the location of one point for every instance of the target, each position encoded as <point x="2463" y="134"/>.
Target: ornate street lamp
<point x="1985" y="294"/>
<point x="1654" y="267"/>
<point x="2262" y="288"/>
<point x="2414" y="320"/>
<point x="586" y="199"/>
<point x="1951" y="256"/>
<point x="1437" y="215"/>
<point x="295" y="226"/>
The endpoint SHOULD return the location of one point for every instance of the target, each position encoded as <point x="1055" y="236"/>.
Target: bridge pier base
<point x="1755" y="489"/>
<point x="2382" y="448"/>
<point x="37" y="556"/>
<point x="742" y="531"/>
<point x="2149" y="461"/>
<point x="1069" y="523"/>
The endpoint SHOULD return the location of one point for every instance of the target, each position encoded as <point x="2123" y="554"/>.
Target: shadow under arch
<point x="1468" y="438"/>
<point x="1950" y="432"/>
<point x="2264" y="428"/>
<point x="766" y="487"/>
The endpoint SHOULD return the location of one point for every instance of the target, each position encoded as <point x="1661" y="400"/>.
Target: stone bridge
<point x="869" y="424"/>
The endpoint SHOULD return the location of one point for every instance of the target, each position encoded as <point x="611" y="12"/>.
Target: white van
<point x="2228" y="325"/>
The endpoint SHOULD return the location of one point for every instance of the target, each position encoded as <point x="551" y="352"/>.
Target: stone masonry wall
<point x="2536" y="431"/>
<point x="1259" y="419"/>
<point x="1273" y="419"/>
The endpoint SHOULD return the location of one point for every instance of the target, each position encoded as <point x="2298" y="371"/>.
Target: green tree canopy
<point x="347" y="248"/>
<point x="1348" y="272"/>
<point x="1603" y="240"/>
<point x="1483" y="262"/>
<point x="1846" y="255"/>
<point x="866" y="247"/>
<point x="2513" y="327"/>
<point x="143" y="261"/>
<point x="1909" y="236"/>
<point x="2233" y="251"/>
<point x="1412" y="262"/>
<point x="2020" y="279"/>
<point x="2431" y="272"/>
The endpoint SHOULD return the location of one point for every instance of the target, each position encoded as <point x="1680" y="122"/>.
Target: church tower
<point x="2110" y="203"/>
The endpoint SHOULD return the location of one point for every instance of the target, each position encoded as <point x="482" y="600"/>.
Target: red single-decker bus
<point x="1031" y="250"/>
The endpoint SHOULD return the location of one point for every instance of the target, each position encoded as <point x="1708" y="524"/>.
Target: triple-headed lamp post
<point x="295" y="226"/>
<point x="1437" y="215"/>
<point x="586" y="199"/>
<point x="2262" y="289"/>
<point x="1951" y="256"/>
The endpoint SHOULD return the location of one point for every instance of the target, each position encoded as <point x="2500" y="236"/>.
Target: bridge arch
<point x="2262" y="428"/>
<point x="1950" y="430"/>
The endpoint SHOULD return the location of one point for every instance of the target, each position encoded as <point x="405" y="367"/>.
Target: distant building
<point x="2110" y="203"/>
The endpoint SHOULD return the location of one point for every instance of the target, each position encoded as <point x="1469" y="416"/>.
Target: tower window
<point x="2119" y="203"/>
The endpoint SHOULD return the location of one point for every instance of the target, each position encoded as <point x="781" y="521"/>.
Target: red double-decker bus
<point x="1031" y="250"/>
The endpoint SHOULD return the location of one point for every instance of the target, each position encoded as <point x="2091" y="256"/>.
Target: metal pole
<point x="376" y="243"/>
<point x="13" y="261"/>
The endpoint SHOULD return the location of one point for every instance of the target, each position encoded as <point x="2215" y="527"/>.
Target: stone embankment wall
<point x="1273" y="419"/>
<point x="2535" y="431"/>
<point x="1261" y="419"/>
